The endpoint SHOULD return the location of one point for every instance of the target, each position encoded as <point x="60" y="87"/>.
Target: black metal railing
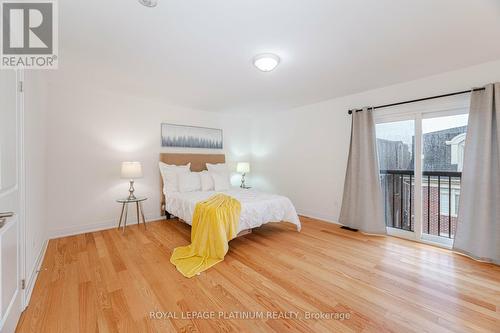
<point x="398" y="188"/>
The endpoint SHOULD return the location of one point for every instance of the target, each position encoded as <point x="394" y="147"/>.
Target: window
<point x="457" y="150"/>
<point x="445" y="202"/>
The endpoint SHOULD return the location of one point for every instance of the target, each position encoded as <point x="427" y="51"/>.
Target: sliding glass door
<point x="396" y="151"/>
<point x="421" y="195"/>
<point x="443" y="142"/>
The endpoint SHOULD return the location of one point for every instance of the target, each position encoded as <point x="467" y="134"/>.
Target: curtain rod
<point x="420" y="99"/>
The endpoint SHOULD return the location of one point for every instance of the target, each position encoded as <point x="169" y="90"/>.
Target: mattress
<point x="257" y="208"/>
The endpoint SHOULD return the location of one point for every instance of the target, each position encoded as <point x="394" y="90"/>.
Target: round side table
<point x="140" y="213"/>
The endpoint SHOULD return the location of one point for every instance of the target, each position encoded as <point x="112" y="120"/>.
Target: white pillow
<point x="189" y="182"/>
<point x="207" y="181"/>
<point x="221" y="181"/>
<point x="170" y="173"/>
<point x="219" y="167"/>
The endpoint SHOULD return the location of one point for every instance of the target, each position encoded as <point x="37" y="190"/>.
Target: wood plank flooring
<point x="109" y="282"/>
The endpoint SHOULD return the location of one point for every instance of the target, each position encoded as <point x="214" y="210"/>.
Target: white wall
<point x="35" y="159"/>
<point x="92" y="130"/>
<point x="302" y="153"/>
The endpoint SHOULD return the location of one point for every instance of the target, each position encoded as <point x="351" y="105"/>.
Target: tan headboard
<point x="198" y="163"/>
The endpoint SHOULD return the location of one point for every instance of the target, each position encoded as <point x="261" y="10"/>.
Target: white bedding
<point x="257" y="208"/>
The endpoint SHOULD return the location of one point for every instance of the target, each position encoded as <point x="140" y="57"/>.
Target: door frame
<point x="19" y="187"/>
<point x="418" y="112"/>
<point x="22" y="188"/>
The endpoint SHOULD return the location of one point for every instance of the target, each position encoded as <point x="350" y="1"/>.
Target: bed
<point x="257" y="208"/>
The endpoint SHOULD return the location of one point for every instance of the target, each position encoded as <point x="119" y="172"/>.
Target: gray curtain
<point x="478" y="228"/>
<point x="362" y="201"/>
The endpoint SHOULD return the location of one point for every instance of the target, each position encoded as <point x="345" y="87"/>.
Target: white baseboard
<point x="313" y="215"/>
<point x="82" y="229"/>
<point x="30" y="281"/>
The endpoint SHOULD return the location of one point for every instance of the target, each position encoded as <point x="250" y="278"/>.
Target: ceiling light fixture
<point x="266" y="62"/>
<point x="148" y="3"/>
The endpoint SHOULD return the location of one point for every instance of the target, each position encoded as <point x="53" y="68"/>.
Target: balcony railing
<point x="440" y="195"/>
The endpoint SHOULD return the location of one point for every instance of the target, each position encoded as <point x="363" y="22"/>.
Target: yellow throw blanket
<point x="215" y="223"/>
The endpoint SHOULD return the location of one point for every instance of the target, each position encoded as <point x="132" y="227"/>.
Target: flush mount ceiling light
<point x="266" y="62"/>
<point x="148" y="3"/>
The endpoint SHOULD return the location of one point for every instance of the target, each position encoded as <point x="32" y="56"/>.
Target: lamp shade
<point x="131" y="170"/>
<point x="243" y="167"/>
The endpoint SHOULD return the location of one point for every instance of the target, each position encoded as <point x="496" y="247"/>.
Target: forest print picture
<point x="190" y="136"/>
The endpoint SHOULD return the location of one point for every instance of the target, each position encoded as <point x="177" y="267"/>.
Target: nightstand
<point x="140" y="213"/>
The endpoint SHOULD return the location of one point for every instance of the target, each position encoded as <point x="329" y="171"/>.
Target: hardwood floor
<point x="109" y="282"/>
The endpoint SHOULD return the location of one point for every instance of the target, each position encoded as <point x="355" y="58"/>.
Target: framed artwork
<point x="190" y="136"/>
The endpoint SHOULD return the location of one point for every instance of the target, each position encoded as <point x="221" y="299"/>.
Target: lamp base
<point x="243" y="181"/>
<point x="131" y="190"/>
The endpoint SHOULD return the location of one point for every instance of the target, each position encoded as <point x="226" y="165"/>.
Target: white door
<point x="10" y="200"/>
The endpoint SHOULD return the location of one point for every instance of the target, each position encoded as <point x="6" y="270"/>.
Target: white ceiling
<point x="198" y="53"/>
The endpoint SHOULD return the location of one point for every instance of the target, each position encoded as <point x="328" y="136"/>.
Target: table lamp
<point x="131" y="171"/>
<point x="243" y="168"/>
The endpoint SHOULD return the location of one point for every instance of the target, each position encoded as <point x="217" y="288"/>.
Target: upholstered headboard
<point x="198" y="163"/>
